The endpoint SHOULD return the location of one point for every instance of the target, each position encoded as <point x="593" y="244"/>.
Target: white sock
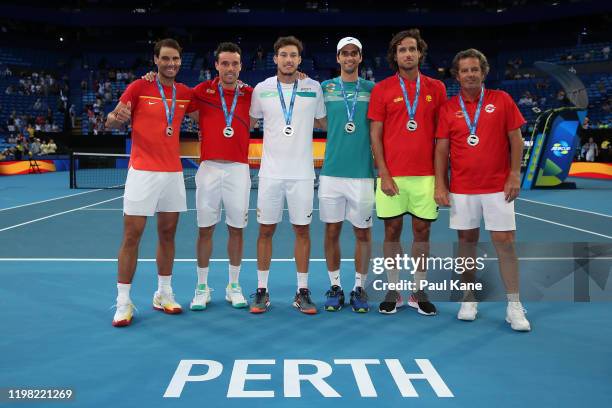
<point x="234" y="272"/>
<point x="123" y="293"/>
<point x="334" y="277"/>
<point x="302" y="280"/>
<point x="202" y="276"/>
<point x="468" y="296"/>
<point x="513" y="297"/>
<point x="262" y="279"/>
<point x="164" y="283"/>
<point x="392" y="275"/>
<point x="418" y="277"/>
<point x="360" y="280"/>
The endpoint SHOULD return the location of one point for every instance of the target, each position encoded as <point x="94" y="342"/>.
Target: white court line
<point x="566" y="208"/>
<point x="57" y="214"/>
<point x="195" y="209"/>
<point x="564" y="225"/>
<point x="561" y="258"/>
<point x="50" y="199"/>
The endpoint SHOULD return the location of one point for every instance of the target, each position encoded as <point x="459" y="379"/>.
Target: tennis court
<point x="58" y="268"/>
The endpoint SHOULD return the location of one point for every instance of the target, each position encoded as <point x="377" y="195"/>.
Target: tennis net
<point x="109" y="170"/>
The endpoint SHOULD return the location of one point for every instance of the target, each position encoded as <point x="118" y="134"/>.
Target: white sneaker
<point x="166" y="303"/>
<point x="233" y="294"/>
<point x="201" y="297"/>
<point x="124" y="314"/>
<point x="468" y="311"/>
<point x="515" y="315"/>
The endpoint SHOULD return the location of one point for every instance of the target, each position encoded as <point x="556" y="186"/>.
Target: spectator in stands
<point x="83" y="85"/>
<point x="526" y="100"/>
<point x="72" y="114"/>
<point x="35" y="147"/>
<point x="37" y="104"/>
<point x="49" y="115"/>
<point x="30" y="130"/>
<point x="259" y="58"/>
<point x="586" y="123"/>
<point x="590" y="150"/>
<point x="51" y="147"/>
<point x="20" y="150"/>
<point x="606" y="51"/>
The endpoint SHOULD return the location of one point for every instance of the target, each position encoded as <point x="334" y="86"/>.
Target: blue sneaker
<point x="359" y="300"/>
<point x="335" y="299"/>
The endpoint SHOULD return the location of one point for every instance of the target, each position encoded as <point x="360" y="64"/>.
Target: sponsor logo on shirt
<point x="330" y="87"/>
<point x="459" y="114"/>
<point x="398" y="99"/>
<point x="428" y="98"/>
<point x="152" y="103"/>
<point x="489" y="108"/>
<point x="181" y="106"/>
<point x="210" y="91"/>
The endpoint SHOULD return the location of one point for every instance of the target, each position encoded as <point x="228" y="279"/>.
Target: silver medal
<point x="473" y="140"/>
<point x="288" y="130"/>
<point x="169" y="131"/>
<point x="228" y="131"/>
<point x="411" y="125"/>
<point x="350" y="127"/>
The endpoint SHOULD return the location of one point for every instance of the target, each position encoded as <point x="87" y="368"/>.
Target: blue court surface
<point x="58" y="272"/>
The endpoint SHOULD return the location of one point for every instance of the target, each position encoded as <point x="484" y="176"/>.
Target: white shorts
<point x="343" y="198"/>
<point x="467" y="210"/>
<point x="270" y="200"/>
<point x="227" y="183"/>
<point x="148" y="192"/>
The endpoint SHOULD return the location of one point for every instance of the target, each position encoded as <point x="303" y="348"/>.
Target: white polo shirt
<point x="287" y="157"/>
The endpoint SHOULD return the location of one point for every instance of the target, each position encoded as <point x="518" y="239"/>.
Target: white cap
<point x="346" y="41"/>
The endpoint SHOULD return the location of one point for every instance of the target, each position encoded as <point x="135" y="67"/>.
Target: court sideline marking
<point x="50" y="199"/>
<point x="564" y="207"/>
<point x="564" y="225"/>
<point x="58" y="214"/>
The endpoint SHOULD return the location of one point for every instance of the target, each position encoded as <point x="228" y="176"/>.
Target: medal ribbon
<point x="287" y="114"/>
<point x="350" y="111"/>
<point x="411" y="108"/>
<point x="169" y="111"/>
<point x="472" y="126"/>
<point x="228" y="117"/>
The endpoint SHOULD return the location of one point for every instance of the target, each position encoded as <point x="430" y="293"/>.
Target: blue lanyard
<point x="286" y="113"/>
<point x="169" y="112"/>
<point x="411" y="108"/>
<point x="228" y="117"/>
<point x="350" y="112"/>
<point x="472" y="126"/>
